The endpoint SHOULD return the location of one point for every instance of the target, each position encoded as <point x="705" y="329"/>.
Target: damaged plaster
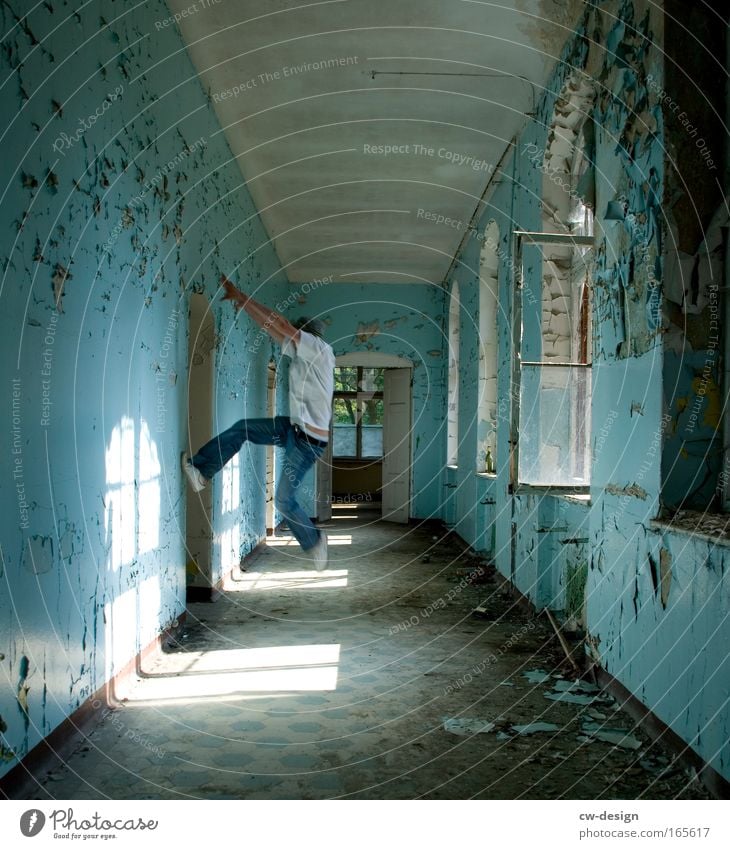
<point x="646" y="592"/>
<point x="122" y="200"/>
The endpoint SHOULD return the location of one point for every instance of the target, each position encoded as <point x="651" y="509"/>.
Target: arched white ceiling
<point x="309" y="95"/>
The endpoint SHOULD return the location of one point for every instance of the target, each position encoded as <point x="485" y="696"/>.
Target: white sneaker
<point x="197" y="480"/>
<point x="319" y="552"/>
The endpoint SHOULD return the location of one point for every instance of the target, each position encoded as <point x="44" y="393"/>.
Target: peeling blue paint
<point x="107" y="235"/>
<point x="633" y="612"/>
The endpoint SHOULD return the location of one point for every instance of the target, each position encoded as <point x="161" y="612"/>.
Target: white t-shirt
<point x="311" y="382"/>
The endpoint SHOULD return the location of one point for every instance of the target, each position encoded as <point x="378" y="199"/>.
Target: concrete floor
<point x="372" y="680"/>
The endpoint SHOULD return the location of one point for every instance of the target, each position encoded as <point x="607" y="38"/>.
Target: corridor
<point x="372" y="680"/>
<point x="474" y="257"/>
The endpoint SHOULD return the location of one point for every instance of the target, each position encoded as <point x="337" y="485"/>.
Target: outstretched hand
<point x="232" y="293"/>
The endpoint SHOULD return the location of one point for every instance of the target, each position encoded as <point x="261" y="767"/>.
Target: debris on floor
<point x="535" y="728"/>
<point x="571" y="698"/>
<point x="423" y="711"/>
<point x="660" y="766"/>
<point x="576" y="693"/>
<point x="465" y="727"/>
<point x="596" y="714"/>
<point x="566" y="686"/>
<point x="614" y="736"/>
<point x="537" y="676"/>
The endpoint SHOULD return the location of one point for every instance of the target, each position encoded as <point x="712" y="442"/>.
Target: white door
<point x="324" y="483"/>
<point x="396" y="491"/>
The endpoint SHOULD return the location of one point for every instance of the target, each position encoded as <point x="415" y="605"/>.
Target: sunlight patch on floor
<point x="284" y="542"/>
<point x="238" y="672"/>
<point x="303" y="580"/>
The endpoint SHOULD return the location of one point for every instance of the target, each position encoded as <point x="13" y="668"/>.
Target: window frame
<point x="538" y="239"/>
<point x="488" y="367"/>
<point x="358" y="396"/>
<point x="453" y="349"/>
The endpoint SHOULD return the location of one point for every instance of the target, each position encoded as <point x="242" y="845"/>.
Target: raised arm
<point x="269" y="320"/>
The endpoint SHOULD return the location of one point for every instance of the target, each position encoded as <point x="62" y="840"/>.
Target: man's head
<point x="310" y="325"/>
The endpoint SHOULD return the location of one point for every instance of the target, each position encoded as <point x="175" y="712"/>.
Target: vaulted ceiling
<point x="311" y="95"/>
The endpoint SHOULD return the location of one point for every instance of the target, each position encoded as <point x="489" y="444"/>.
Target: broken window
<point x="358" y="413"/>
<point x="488" y="302"/>
<point x="695" y="428"/>
<point x="452" y="437"/>
<point x="553" y="336"/>
<point x="553" y="413"/>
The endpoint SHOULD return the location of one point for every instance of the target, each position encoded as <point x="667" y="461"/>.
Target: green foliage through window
<point x="358" y="412"/>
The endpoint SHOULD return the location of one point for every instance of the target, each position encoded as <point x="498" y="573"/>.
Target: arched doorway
<point x="369" y="453"/>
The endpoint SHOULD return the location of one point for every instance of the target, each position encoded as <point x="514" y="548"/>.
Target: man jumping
<point x="303" y="434"/>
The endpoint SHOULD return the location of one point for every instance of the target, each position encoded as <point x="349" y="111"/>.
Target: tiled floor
<point x="366" y="681"/>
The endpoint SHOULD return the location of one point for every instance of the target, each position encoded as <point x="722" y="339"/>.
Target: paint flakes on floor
<point x="373" y="709"/>
<point x="465" y="727"/>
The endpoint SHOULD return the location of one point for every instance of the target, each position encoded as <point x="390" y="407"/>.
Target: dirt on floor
<point x="374" y="679"/>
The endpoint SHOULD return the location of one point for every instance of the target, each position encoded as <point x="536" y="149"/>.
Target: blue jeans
<point x="299" y="457"/>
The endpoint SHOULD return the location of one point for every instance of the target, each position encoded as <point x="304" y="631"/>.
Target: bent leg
<point x="299" y="458"/>
<point x="211" y="458"/>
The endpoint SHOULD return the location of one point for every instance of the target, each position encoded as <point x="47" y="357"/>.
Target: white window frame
<point x="488" y="346"/>
<point x="521" y="238"/>
<point x="452" y="397"/>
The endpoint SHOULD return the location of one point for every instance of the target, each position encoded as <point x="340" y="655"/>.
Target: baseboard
<point x="53" y="750"/>
<point x="658" y="730"/>
<point x="648" y="721"/>
<point x="507" y="587"/>
<point x="213" y="592"/>
<point x="247" y="564"/>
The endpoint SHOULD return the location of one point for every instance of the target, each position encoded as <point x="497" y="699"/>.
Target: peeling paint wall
<point x="121" y="198"/>
<point x="470" y="494"/>
<point x="697" y="224"/>
<point x="646" y="627"/>
<point x="650" y="598"/>
<point x="663" y="630"/>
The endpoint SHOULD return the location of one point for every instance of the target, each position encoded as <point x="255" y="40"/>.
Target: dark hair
<point x="310" y="325"/>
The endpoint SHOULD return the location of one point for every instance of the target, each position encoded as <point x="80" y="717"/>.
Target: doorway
<point x="368" y="461"/>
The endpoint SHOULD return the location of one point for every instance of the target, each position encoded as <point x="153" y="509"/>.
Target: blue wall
<point x="599" y="562"/>
<point x="121" y="197"/>
<point x="126" y="199"/>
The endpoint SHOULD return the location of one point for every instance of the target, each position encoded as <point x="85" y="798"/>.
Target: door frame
<point x="374" y="359"/>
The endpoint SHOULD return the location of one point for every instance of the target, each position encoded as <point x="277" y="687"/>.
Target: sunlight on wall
<point x="148" y="500"/>
<point x="230" y="538"/>
<point x="119" y="519"/>
<point x="149" y="601"/>
<point x="120" y="632"/>
<point x="132" y="525"/>
<point x="130" y="622"/>
<point x="231" y="485"/>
